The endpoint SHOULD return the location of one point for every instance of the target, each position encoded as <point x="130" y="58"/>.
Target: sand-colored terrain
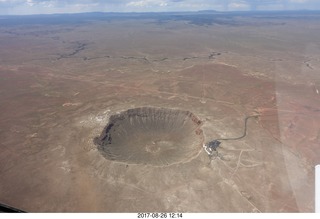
<point x="61" y="82"/>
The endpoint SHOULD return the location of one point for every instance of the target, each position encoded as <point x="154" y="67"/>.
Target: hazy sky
<point x="72" y="6"/>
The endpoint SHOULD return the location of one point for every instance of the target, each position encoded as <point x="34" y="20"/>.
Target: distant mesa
<point x="151" y="136"/>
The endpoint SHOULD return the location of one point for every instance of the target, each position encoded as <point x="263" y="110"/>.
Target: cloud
<point x="148" y="3"/>
<point x="298" y="1"/>
<point x="234" y="6"/>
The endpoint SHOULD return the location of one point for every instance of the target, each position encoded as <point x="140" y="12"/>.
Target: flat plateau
<point x="61" y="82"/>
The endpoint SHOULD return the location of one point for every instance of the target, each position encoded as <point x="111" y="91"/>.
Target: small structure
<point x="211" y="146"/>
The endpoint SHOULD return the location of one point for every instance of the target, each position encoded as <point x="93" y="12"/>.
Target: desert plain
<point x="62" y="77"/>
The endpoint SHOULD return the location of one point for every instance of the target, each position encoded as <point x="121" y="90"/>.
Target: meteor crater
<point x="151" y="136"/>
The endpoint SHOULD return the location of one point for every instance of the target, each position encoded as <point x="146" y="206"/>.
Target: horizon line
<point x="158" y="12"/>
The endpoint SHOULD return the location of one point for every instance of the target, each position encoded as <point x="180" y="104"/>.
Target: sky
<point x="76" y="6"/>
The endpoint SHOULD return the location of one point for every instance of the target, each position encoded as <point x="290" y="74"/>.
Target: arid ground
<point x="63" y="76"/>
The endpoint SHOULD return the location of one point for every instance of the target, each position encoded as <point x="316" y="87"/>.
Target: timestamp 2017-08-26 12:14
<point x="159" y="215"/>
